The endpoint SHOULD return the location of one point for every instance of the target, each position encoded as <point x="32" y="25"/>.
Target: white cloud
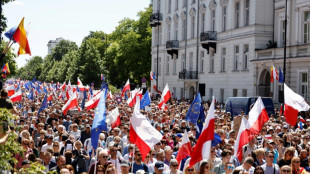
<point x="17" y="3"/>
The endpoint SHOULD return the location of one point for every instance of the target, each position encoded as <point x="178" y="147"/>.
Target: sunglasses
<point x="138" y="154"/>
<point x="56" y="145"/>
<point x="175" y="165"/>
<point x="296" y="161"/>
<point x="270" y="156"/>
<point x="105" y="156"/>
<point x="259" y="172"/>
<point x="286" y="171"/>
<point x="231" y="167"/>
<point x="190" y="170"/>
<point x="25" y="144"/>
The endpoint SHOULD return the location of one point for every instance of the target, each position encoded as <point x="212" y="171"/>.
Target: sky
<point x="47" y="20"/>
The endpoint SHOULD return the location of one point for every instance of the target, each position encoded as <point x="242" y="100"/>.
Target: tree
<point x="62" y="48"/>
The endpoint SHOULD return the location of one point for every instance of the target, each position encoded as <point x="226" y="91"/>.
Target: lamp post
<point x="284" y="57"/>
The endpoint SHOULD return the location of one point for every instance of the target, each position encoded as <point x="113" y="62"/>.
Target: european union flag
<point x="83" y="101"/>
<point x="30" y="96"/>
<point x="145" y="101"/>
<point x="194" y="110"/>
<point x="104" y="85"/>
<point x="200" y="121"/>
<point x="44" y="104"/>
<point x="38" y="89"/>
<point x="9" y="34"/>
<point x="217" y="139"/>
<point x="281" y="77"/>
<point x="99" y="122"/>
<point x="45" y="89"/>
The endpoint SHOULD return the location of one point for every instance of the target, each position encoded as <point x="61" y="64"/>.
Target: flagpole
<point x="284" y="58"/>
<point x="96" y="161"/>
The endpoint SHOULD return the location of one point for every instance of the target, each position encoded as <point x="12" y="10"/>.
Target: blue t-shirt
<point x="142" y="166"/>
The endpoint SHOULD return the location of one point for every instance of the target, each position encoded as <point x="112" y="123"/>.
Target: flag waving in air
<point x="166" y="95"/>
<point x="126" y="87"/>
<point x="273" y="74"/>
<point x="20" y="37"/>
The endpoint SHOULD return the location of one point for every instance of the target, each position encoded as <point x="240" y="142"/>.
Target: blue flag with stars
<point x="44" y="104"/>
<point x="99" y="122"/>
<point x="9" y="34"/>
<point x="145" y="101"/>
<point x="200" y="121"/>
<point x="194" y="110"/>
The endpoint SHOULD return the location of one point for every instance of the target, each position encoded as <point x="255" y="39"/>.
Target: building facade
<point x="209" y="45"/>
<point x="297" y="52"/>
<point x="52" y="44"/>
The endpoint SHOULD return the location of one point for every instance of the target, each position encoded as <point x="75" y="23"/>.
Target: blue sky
<point x="71" y="19"/>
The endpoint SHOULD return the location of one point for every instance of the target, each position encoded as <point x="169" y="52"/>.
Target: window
<point x="183" y="62"/>
<point x="235" y="92"/>
<point x="169" y="6"/>
<point x="244" y="93"/>
<point x="176" y="4"/>
<point x="224" y="15"/>
<point x="183" y="29"/>
<point x="160" y="35"/>
<point x="167" y="65"/>
<point x="282" y="33"/>
<point x="210" y="93"/>
<point x="307" y="27"/>
<point x="213" y="20"/>
<point x="182" y="93"/>
<point x="202" y="55"/>
<point x="236" y="61"/>
<point x="304" y="85"/>
<point x="191" y="61"/>
<point x="159" y="66"/>
<point x="223" y="59"/>
<point x="211" y="61"/>
<point x="174" y="66"/>
<point x="222" y="95"/>
<point x="174" y="91"/>
<point x="246" y="57"/>
<point x="168" y="31"/>
<point x="184" y="3"/>
<point x="247" y="12"/>
<point x="202" y="22"/>
<point x="237" y="15"/>
<point x="176" y="31"/>
<point x="193" y="27"/>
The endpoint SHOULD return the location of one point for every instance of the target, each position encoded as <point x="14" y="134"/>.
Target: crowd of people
<point x="62" y="143"/>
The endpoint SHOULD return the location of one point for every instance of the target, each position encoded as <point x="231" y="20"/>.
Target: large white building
<point x="219" y="47"/>
<point x="52" y="44"/>
<point x="297" y="54"/>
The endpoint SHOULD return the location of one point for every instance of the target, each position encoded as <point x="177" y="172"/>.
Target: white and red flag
<point x="273" y="74"/>
<point x="63" y="86"/>
<point x="258" y="116"/>
<point x="166" y="95"/>
<point x="16" y="97"/>
<point x="114" y="118"/>
<point x="80" y="85"/>
<point x="202" y="148"/>
<point x="185" y="149"/>
<point x="11" y="90"/>
<point x="126" y="87"/>
<point x="110" y="96"/>
<point x="293" y="103"/>
<point x="92" y="103"/>
<point x="71" y="103"/>
<point x="131" y="101"/>
<point x="142" y="133"/>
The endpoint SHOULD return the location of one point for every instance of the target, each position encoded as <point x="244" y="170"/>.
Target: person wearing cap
<point x="160" y="156"/>
<point x="271" y="146"/>
<point x="85" y="134"/>
<point x="125" y="167"/>
<point x="284" y="131"/>
<point x="269" y="167"/>
<point x="49" y="144"/>
<point x="159" y="167"/>
<point x="114" y="158"/>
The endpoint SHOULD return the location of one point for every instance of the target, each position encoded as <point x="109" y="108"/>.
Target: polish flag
<point x="114" y="118"/>
<point x="202" y="148"/>
<point x="126" y="87"/>
<point x="185" y="148"/>
<point x="142" y="133"/>
<point x="293" y="103"/>
<point x="71" y="103"/>
<point x="155" y="88"/>
<point x="11" y="90"/>
<point x="50" y="97"/>
<point x="80" y="85"/>
<point x="93" y="102"/>
<point x="274" y="74"/>
<point x="63" y="86"/>
<point x="166" y="95"/>
<point x="258" y="116"/>
<point x="16" y="97"/>
<point x="110" y="96"/>
<point x="131" y="101"/>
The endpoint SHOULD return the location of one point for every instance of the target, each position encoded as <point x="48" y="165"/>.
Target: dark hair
<point x="225" y="153"/>
<point x="236" y="171"/>
<point x="4" y="93"/>
<point x="259" y="168"/>
<point x="267" y="152"/>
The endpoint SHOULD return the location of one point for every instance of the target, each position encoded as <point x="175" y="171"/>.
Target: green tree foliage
<point x="32" y="69"/>
<point x="62" y="48"/>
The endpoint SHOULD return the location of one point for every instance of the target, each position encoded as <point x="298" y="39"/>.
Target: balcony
<point x="155" y="19"/>
<point x="172" y="47"/>
<point x="208" y="40"/>
<point x="188" y="75"/>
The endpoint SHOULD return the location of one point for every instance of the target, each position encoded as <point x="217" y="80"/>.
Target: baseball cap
<point x="270" y="141"/>
<point x="125" y="163"/>
<point x="179" y="135"/>
<point x="285" y="126"/>
<point x="159" y="165"/>
<point x="87" y="125"/>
